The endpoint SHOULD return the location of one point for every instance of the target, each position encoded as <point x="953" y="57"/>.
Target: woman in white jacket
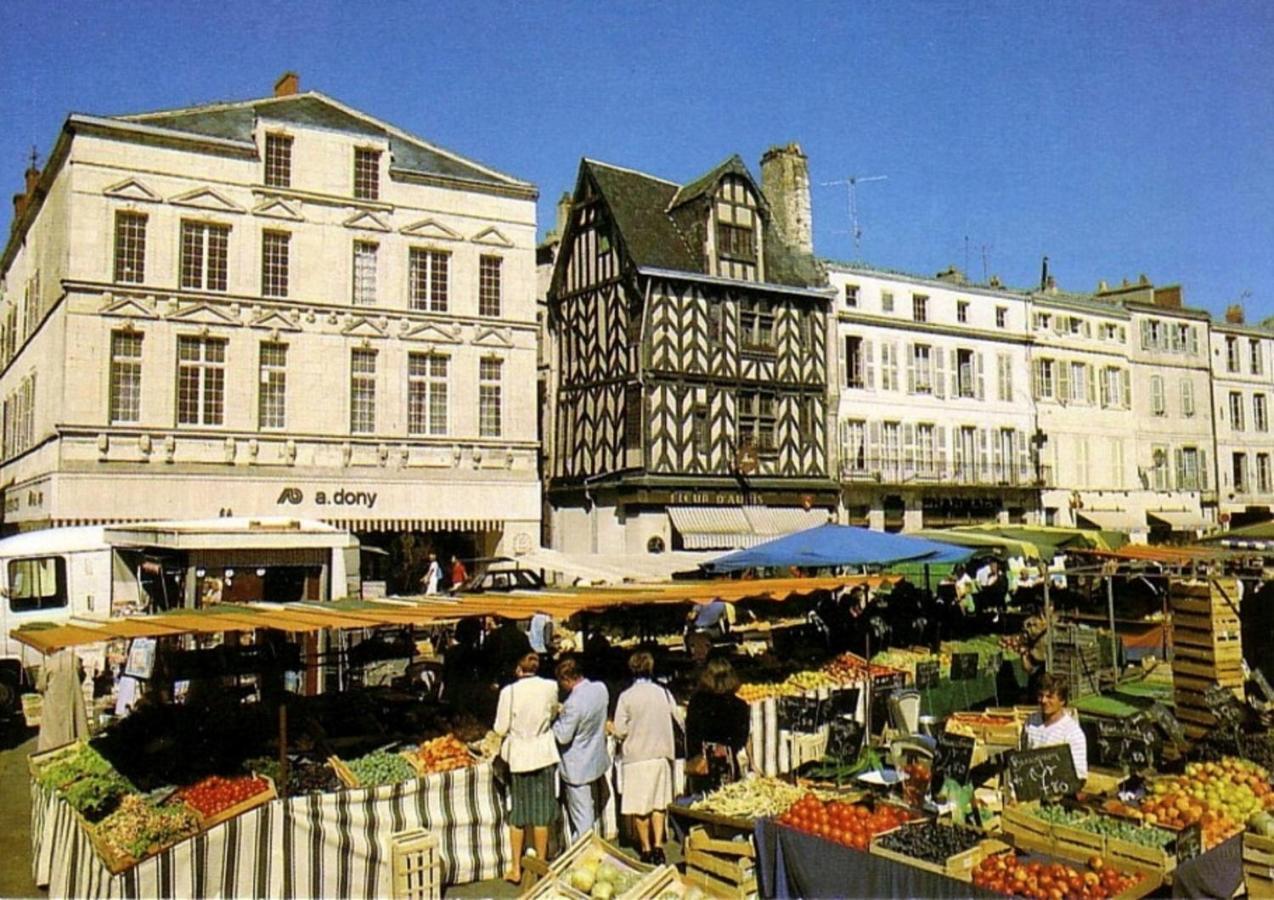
<point x="524" y="718"/>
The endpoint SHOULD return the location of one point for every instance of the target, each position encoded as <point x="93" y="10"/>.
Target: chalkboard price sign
<point x="927" y="674"/>
<point x="843" y="703"/>
<point x="1224" y="705"/>
<point x="952" y="758"/>
<point x="1042" y="773"/>
<point x="844" y="737"/>
<point x="1190" y="842"/>
<point x="995" y="663"/>
<point x="1166" y="721"/>
<point x="801" y="714"/>
<point x="964" y="666"/>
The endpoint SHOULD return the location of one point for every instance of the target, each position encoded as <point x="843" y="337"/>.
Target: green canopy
<point x="1007" y="546"/>
<point x="1051" y="540"/>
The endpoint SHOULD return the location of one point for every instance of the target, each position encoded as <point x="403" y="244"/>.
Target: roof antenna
<point x="35" y="156"/>
<point x="852" y="182"/>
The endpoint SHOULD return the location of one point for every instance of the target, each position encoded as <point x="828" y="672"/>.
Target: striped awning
<point x="1113" y="519"/>
<point x="1179" y="519"/>
<point x="431" y="524"/>
<point x="737" y="527"/>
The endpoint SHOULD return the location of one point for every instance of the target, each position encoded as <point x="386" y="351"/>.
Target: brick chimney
<point x="785" y="181"/>
<point x="563" y="213"/>
<point x="1234" y="314"/>
<point x="289" y="83"/>
<point x="31" y="178"/>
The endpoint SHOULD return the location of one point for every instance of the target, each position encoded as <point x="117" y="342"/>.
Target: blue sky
<point x="1118" y="138"/>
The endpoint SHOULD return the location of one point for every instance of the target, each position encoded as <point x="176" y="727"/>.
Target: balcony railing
<point x="889" y="471"/>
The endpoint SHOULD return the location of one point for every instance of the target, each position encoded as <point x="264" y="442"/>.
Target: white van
<point x="88" y="573"/>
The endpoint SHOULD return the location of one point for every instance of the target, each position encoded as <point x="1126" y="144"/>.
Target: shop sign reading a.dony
<point x="337" y="497"/>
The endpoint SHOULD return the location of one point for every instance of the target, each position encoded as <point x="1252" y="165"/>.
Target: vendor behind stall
<point x="1053" y="724"/>
<point x="711" y="618"/>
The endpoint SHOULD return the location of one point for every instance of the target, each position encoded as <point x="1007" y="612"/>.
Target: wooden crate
<point x="1221" y="621"/>
<point x="735" y="870"/>
<point x="1127" y="854"/>
<point x="1258" y="855"/>
<point x="416" y="864"/>
<point x="1077" y="844"/>
<point x="1020" y="819"/>
<point x="37" y="761"/>
<point x="343" y="772"/>
<point x="698" y="838"/>
<point x="1223" y="674"/>
<point x="959" y="867"/>
<point x="715" y="887"/>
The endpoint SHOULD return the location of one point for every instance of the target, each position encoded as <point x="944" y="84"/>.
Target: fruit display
<point x="1008" y="874"/>
<point x="1124" y="830"/>
<point x="754" y="798"/>
<point x="304" y="775"/>
<point x="137" y="828"/>
<point x="602" y="876"/>
<point x="380" y="767"/>
<point x="930" y="841"/>
<point x="849" y="824"/>
<point x="216" y="794"/>
<point x="842" y="671"/>
<point x="1220" y="795"/>
<point x="907" y="660"/>
<point x="443" y="754"/>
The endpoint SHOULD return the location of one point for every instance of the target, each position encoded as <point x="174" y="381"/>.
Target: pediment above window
<point x="206" y="198"/>
<point x="132" y="189"/>
<point x="367" y="221"/>
<point x="492" y="237"/>
<point x="128" y="308"/>
<point x="431" y="228"/>
<point x="493" y="337"/>
<point x="433" y="334"/>
<point x="274" y="208"/>
<point x="360" y="326"/>
<point x="202" y="314"/>
<point x="275" y="321"/>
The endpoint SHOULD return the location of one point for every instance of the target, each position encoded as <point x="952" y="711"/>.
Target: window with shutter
<point x="909" y="448"/>
<point x="869" y="368"/>
<point x="1126" y="393"/>
<point x="1156" y="395"/>
<point x="981" y="378"/>
<point x="1090" y="381"/>
<point x="911" y="368"/>
<point x="1063" y="382"/>
<point x="939" y="372"/>
<point x="940" y="449"/>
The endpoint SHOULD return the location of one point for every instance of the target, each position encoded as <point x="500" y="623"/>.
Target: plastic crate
<point x="416" y="865"/>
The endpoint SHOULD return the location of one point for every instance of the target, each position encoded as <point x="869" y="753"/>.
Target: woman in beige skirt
<point x="643" y="722"/>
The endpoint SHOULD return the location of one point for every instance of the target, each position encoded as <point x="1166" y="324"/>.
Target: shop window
<point x="37" y="583"/>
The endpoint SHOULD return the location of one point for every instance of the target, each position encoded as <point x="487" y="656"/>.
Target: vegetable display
<point x="1006" y="873"/>
<point x="86" y="780"/>
<point x="216" y="794"/>
<point x="83" y="760"/>
<point x="851" y="825"/>
<point x="304" y="775"/>
<point x="842" y="671"/>
<point x="1143" y="835"/>
<point x="754" y="797"/>
<point x="443" y="754"/>
<point x="380" y="767"/>
<point x="599" y="875"/>
<point x="136" y="829"/>
<point x="930" y="841"/>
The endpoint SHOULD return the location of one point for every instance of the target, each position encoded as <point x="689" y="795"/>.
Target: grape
<point x="930" y="841"/>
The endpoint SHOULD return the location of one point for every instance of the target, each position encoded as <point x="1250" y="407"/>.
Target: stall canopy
<point x="1112" y="519"/>
<point x="1052" y="540"/>
<point x="725" y="527"/>
<point x="1178" y="519"/>
<point x="1258" y="537"/>
<point x="988" y="543"/>
<point x="303" y="618"/>
<point x="838" y="545"/>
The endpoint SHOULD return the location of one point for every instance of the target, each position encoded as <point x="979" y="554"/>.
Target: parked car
<point x="501" y="574"/>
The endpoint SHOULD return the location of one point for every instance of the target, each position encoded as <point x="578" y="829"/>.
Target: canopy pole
<point x="1110" y="610"/>
<point x="283" y="747"/>
<point x="1048" y="622"/>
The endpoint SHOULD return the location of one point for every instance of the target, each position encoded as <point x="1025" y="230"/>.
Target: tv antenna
<point x="851" y="184"/>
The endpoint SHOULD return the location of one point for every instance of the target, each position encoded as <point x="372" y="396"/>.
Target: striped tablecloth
<point x="319" y="845"/>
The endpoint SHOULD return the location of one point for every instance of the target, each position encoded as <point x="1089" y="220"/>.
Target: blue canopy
<point x="838" y="545"/>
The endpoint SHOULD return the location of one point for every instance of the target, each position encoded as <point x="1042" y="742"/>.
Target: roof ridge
<point x="631" y="171"/>
<point x="210" y="107"/>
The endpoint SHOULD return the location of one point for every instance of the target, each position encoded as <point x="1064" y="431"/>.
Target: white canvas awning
<point x="1113" y="519"/>
<point x="736" y="527"/>
<point x="600" y="568"/>
<point x="1179" y="519"/>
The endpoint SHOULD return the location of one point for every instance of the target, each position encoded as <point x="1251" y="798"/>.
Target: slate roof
<point x="236" y="121"/>
<point x="641" y="208"/>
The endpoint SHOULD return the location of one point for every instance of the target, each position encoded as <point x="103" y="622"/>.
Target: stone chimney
<point x="1234" y="314"/>
<point x="563" y="213"/>
<point x="1166" y="297"/>
<point x="31" y="178"/>
<point x="289" y="83"/>
<point x="952" y="275"/>
<point x="785" y="181"/>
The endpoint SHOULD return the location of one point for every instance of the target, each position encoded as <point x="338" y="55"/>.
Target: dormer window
<point x="366" y="174"/>
<point x="736" y="226"/>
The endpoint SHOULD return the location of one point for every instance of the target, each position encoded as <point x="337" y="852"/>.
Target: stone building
<point x="274" y="306"/>
<point x="1242" y="356"/>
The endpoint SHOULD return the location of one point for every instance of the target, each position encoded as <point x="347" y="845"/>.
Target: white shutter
<point x="1145" y="334"/>
<point x="1203" y="470"/>
<point x="843" y="358"/>
<point x="911" y="368"/>
<point x="984" y="450"/>
<point x="1063" y="391"/>
<point x="909" y="447"/>
<point x="1125" y="378"/>
<point x="981" y="379"/>
<point x="940" y="449"/>
<point x="1090" y="374"/>
<point x="869" y="366"/>
<point x="939" y="372"/>
<point x="1058" y="324"/>
<point x="1037" y="381"/>
<point x="1156" y="395"/>
<point x="1023" y="455"/>
<point x="894" y="367"/>
<point x="844" y="444"/>
<point x="997" y="458"/>
<point x="1194" y="340"/>
<point x="957" y="448"/>
<point x="1179" y="467"/>
<point x="873" y="447"/>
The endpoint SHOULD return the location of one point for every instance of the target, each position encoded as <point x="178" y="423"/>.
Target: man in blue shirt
<point x="580" y="730"/>
<point x="710" y="618"/>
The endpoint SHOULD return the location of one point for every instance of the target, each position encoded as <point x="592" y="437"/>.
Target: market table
<point x="791" y="864"/>
<point x="317" y="845"/>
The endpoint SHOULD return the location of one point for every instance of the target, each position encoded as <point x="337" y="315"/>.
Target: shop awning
<point x="832" y="545"/>
<point x="988" y="542"/>
<point x="1112" y="519"/>
<point x="1179" y="519"/>
<point x="602" y="568"/>
<point x="303" y="618"/>
<point x="736" y="527"/>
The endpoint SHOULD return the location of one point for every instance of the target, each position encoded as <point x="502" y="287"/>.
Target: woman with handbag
<point x="524" y="718"/>
<point x="717" y="725"/>
<point x="644" y="721"/>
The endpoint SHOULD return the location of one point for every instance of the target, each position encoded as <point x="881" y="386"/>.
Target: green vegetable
<point x="379" y="767"/>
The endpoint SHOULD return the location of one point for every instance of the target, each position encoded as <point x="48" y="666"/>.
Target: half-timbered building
<point x="691" y="385"/>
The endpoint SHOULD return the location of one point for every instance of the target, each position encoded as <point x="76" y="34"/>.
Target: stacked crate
<point x="1077" y="658"/>
<point x="719" y="867"/>
<point x="1207" y="648"/>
